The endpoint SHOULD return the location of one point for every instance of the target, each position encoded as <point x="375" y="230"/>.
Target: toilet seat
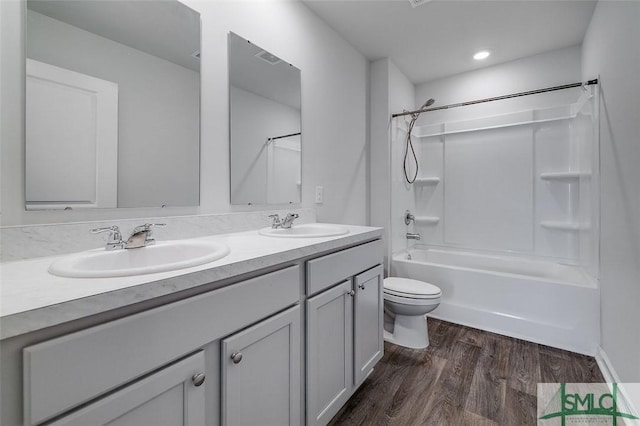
<point x="410" y="289"/>
<point x="412" y="300"/>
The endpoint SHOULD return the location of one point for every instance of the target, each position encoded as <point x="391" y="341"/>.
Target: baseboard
<point x="604" y="364"/>
<point x="610" y="376"/>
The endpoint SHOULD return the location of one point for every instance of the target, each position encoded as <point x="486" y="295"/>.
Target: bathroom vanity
<point x="281" y="331"/>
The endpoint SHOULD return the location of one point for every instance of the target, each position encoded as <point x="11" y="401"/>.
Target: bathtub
<point x="541" y="301"/>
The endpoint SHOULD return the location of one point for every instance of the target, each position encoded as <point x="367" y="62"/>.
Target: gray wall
<point x="610" y="49"/>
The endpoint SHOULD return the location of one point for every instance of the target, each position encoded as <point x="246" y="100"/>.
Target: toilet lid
<point x="410" y="288"/>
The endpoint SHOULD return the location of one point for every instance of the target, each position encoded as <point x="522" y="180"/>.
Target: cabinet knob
<point x="236" y="357"/>
<point x="351" y="293"/>
<point x="198" y="379"/>
<point x="361" y="286"/>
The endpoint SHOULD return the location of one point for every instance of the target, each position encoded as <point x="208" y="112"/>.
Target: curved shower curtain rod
<point x="498" y="98"/>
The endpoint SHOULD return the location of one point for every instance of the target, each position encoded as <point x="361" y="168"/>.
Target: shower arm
<point x="497" y="98"/>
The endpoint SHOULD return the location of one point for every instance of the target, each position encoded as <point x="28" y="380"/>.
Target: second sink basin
<point x="306" y="230"/>
<point x="160" y="257"/>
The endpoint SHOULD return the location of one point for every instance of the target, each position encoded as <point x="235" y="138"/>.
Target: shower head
<point x="428" y="103"/>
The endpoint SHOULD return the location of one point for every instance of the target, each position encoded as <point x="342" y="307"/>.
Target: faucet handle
<point x="408" y="218"/>
<point x="146" y="227"/>
<point x="115" y="237"/>
<point x="113" y="230"/>
<point x="276" y="220"/>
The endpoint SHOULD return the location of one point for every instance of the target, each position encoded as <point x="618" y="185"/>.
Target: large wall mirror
<point x="265" y="126"/>
<point x="112" y="104"/>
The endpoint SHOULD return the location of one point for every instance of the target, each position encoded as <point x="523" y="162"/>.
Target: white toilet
<point x="409" y="301"/>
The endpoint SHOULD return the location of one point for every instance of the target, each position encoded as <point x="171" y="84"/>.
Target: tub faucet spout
<point x="412" y="236"/>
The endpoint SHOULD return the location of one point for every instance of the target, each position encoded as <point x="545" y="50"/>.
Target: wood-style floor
<point x="465" y="377"/>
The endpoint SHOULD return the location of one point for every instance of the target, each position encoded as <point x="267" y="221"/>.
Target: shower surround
<point x="506" y="204"/>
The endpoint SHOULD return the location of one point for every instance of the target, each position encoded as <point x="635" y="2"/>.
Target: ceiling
<point x="439" y="38"/>
<point x="166" y="29"/>
<point x="279" y="81"/>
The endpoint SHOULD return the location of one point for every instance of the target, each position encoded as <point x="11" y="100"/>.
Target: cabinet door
<point x="172" y="396"/>
<point x="261" y="373"/>
<point x="329" y="352"/>
<point x="368" y="322"/>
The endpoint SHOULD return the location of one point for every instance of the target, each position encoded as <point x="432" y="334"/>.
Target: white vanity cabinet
<point x="261" y="373"/>
<point x="172" y="396"/>
<point x="344" y="327"/>
<point x="287" y="346"/>
<point x="138" y="353"/>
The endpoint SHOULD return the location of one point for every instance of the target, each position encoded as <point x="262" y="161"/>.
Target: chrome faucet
<point x="288" y="221"/>
<point x="114" y="241"/>
<point x="141" y="236"/>
<point x="412" y="236"/>
<point x="284" y="223"/>
<point x="276" y="221"/>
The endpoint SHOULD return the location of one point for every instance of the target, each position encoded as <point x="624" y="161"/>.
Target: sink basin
<point x="306" y="230"/>
<point x="160" y="257"/>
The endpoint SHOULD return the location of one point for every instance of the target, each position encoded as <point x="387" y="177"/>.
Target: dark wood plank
<point x="471" y="419"/>
<point x="524" y="366"/>
<point x="377" y="394"/>
<point x="446" y="406"/>
<point x="472" y="336"/>
<point x="488" y="387"/>
<point x="572" y="369"/>
<point x="443" y="337"/>
<point x="466" y="377"/>
<point x="520" y="408"/>
<point x="415" y="389"/>
<point x="559" y="353"/>
<point x="365" y="398"/>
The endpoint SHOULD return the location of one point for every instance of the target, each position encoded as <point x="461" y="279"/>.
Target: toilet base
<point x="409" y="331"/>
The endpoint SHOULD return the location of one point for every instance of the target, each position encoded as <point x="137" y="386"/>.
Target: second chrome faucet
<point x="141" y="236"/>
<point x="284" y="223"/>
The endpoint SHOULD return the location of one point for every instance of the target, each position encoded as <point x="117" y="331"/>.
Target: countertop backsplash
<point x="30" y="241"/>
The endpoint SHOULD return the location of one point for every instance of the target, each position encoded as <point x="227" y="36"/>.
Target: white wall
<point x="391" y="91"/>
<point x="548" y="69"/>
<point x="610" y="49"/>
<point x="334" y="110"/>
<point x="158" y="103"/>
<point x="401" y="97"/>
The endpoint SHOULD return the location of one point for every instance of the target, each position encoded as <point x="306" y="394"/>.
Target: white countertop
<point x="32" y="299"/>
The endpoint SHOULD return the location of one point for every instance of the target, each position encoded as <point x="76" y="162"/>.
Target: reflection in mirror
<point x="265" y="117"/>
<point x="112" y="104"/>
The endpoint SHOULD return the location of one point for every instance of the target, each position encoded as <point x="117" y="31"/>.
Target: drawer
<point x="65" y="372"/>
<point x="329" y="270"/>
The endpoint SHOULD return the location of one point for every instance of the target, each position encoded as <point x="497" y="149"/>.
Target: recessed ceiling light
<point x="483" y="54"/>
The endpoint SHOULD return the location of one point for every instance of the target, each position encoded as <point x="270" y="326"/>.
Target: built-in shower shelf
<point x="427" y="220"/>
<point x="564" y="176"/>
<point x="562" y="226"/>
<point x="427" y="181"/>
